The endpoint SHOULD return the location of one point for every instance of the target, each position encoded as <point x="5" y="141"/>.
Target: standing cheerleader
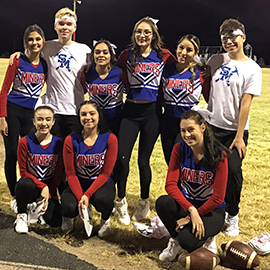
<point x="28" y="74"/>
<point x="103" y="83"/>
<point x="181" y="90"/>
<point x="142" y="65"/>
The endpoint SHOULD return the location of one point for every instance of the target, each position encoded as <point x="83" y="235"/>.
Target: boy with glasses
<point x="235" y="80"/>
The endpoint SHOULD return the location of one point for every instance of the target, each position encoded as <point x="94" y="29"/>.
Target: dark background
<point x="114" y="20"/>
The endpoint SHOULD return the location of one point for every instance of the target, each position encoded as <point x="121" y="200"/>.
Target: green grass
<point x="255" y="203"/>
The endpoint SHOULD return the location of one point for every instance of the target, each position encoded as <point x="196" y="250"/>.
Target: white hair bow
<point x="155" y="21"/>
<point x="112" y="45"/>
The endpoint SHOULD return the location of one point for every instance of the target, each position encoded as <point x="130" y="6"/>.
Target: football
<point x="240" y="254"/>
<point x="199" y="259"/>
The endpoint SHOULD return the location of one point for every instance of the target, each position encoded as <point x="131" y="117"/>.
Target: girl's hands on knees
<point x="83" y="203"/>
<point x="197" y="223"/>
<point x="182" y="222"/>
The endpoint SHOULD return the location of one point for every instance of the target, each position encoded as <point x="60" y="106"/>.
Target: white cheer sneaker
<point x="105" y="228"/>
<point x="210" y="244"/>
<point x="171" y="251"/>
<point x="142" y="211"/>
<point x="21" y="223"/>
<point x="232" y="228"/>
<point x="121" y="207"/>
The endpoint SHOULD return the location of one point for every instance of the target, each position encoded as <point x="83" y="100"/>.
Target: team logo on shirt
<point x="43" y="160"/>
<point x="197" y="176"/>
<point x="42" y="166"/>
<point x="90" y="160"/>
<point x="102" y="89"/>
<point x="226" y="73"/>
<point x="179" y="84"/>
<point x="29" y="77"/>
<point x="89" y="166"/>
<point x="147" y="68"/>
<point x="64" y="60"/>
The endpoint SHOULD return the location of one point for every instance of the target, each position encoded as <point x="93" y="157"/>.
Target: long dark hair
<point x="102" y="125"/>
<point x="30" y="29"/>
<point x="212" y="150"/>
<point x="156" y="43"/>
<point x="91" y="62"/>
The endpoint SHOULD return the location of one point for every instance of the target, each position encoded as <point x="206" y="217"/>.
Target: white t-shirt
<point x="64" y="90"/>
<point x="230" y="81"/>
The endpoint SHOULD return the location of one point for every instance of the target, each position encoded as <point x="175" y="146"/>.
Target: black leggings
<point x="102" y="200"/>
<point x="27" y="192"/>
<point x="170" y="211"/>
<point x="169" y="129"/>
<point x="20" y="123"/>
<point x="235" y="175"/>
<point x="137" y="118"/>
<point x="114" y="123"/>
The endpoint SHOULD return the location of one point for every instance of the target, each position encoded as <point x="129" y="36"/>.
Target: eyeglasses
<point x="146" y="33"/>
<point x="224" y="39"/>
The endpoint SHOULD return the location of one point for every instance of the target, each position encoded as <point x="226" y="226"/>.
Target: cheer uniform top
<point x="42" y="163"/>
<point x="179" y="95"/>
<point x="144" y="81"/>
<point x="230" y="81"/>
<point x="64" y="91"/>
<point x="27" y="79"/>
<point x="108" y="92"/>
<point x="202" y="186"/>
<point x="89" y="167"/>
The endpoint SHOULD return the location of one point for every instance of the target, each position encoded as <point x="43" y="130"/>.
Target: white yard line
<point x="29" y="266"/>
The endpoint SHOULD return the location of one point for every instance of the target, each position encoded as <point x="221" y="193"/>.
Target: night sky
<point x="114" y="20"/>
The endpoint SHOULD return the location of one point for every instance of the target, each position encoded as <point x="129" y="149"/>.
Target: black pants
<point x="170" y="211"/>
<point x="137" y="118"/>
<point x="235" y="176"/>
<point x="20" y="123"/>
<point x="102" y="200"/>
<point x="64" y="125"/>
<point x="114" y="123"/>
<point x="169" y="129"/>
<point x="27" y="192"/>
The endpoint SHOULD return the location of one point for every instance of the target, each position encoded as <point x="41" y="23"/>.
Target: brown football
<point x="199" y="259"/>
<point x="240" y="254"/>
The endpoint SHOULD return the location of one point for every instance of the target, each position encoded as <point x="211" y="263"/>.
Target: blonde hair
<point x="65" y="11"/>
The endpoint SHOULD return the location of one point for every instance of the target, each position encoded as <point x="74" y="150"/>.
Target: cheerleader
<point x="103" y="83"/>
<point x="41" y="168"/>
<point x="89" y="158"/>
<point x="142" y="65"/>
<point x="27" y="76"/>
<point x="181" y="90"/>
<point x="194" y="209"/>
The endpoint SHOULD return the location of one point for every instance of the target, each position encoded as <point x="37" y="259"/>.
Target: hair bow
<point x="112" y="45"/>
<point x="155" y="21"/>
